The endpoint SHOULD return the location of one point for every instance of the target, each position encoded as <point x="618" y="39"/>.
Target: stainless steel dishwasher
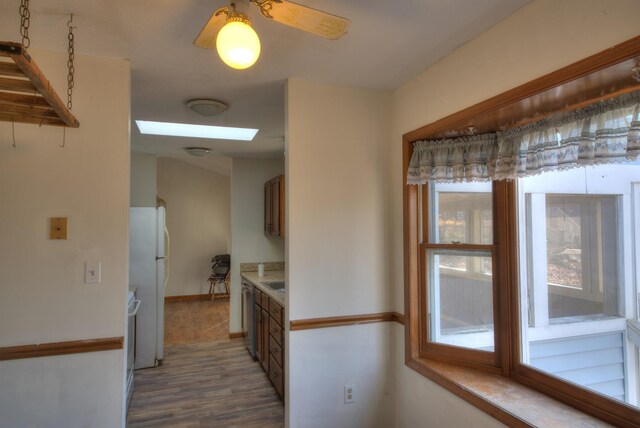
<point x="248" y="321"/>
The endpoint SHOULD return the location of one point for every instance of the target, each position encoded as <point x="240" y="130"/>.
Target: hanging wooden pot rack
<point x="26" y="96"/>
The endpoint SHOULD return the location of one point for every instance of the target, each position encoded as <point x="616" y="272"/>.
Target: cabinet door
<point x="281" y="206"/>
<point x="265" y="341"/>
<point x="275" y="206"/>
<point x="268" y="210"/>
<point x="257" y="314"/>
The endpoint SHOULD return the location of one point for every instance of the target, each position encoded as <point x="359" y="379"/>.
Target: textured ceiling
<point x="389" y="42"/>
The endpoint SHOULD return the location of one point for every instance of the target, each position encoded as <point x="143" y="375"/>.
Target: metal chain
<point x="70" y="75"/>
<point x="25" y="20"/>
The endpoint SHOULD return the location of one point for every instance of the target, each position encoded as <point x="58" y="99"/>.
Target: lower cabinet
<point x="270" y="339"/>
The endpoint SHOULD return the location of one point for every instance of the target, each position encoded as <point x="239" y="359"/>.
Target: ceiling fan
<point x="229" y="28"/>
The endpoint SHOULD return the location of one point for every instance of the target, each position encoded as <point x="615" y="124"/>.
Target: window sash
<point x="487" y="360"/>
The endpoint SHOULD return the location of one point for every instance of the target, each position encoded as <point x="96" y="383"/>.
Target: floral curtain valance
<point x="605" y="132"/>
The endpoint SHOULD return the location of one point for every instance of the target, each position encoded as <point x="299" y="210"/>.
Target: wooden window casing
<point x="576" y="86"/>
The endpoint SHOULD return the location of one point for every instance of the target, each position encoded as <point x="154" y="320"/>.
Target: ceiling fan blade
<point x="304" y="18"/>
<point x="207" y="37"/>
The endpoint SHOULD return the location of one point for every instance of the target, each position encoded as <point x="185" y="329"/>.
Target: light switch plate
<point x="92" y="272"/>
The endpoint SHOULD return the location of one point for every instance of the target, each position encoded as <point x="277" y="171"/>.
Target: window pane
<point x="461" y="298"/>
<point x="578" y="295"/>
<point x="464" y="213"/>
<point x="577" y="269"/>
<point x="564" y="246"/>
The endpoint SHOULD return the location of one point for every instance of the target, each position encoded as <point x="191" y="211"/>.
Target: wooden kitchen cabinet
<point x="274" y="207"/>
<point x="270" y="344"/>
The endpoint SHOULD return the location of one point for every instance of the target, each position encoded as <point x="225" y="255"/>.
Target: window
<point x="571" y="235"/>
<point x="537" y="278"/>
<point x="579" y="291"/>
<point x="458" y="260"/>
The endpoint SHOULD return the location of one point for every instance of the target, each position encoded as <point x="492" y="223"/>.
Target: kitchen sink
<point x="275" y="285"/>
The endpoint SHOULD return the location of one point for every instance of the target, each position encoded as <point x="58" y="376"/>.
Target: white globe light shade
<point x="238" y="45"/>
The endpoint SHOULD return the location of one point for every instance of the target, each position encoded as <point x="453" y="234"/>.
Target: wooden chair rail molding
<point x="60" y="348"/>
<point x="311" y="323"/>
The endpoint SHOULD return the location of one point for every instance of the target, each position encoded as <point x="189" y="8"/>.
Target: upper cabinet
<point x="274" y="207"/>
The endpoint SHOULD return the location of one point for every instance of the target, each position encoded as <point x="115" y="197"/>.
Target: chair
<point x="220" y="275"/>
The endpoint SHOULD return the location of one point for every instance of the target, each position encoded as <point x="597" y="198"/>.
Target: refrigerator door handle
<point x="134" y="312"/>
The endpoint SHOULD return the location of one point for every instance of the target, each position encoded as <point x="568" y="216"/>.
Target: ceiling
<point x="389" y="42"/>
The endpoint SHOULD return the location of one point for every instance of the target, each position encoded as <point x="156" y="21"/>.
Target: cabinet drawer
<point x="276" y="331"/>
<point x="277" y="312"/>
<point x="276" y="376"/>
<point x="276" y="351"/>
<point x="265" y="301"/>
<point x="258" y="296"/>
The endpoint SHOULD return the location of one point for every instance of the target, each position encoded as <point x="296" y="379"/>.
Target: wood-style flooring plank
<point x="199" y="385"/>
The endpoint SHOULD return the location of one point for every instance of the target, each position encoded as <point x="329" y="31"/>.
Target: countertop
<point x="273" y="275"/>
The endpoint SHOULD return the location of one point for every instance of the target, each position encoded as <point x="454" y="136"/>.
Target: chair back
<point x="221" y="265"/>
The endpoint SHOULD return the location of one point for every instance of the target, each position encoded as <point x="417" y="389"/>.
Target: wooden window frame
<point x="575" y="86"/>
<point x="490" y="361"/>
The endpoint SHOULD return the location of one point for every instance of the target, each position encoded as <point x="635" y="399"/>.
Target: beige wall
<point x="198" y="220"/>
<point x="249" y="245"/>
<point x="43" y="297"/>
<point x="337" y="259"/>
<point x="143" y="180"/>
<point x="542" y="37"/>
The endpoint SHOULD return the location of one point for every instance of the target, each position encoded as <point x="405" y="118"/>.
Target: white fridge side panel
<point x="163" y="261"/>
<point x="160" y="309"/>
<point x="143" y="276"/>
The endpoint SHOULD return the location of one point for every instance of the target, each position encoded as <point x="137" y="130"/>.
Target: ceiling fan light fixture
<point x="197" y="152"/>
<point x="237" y="43"/>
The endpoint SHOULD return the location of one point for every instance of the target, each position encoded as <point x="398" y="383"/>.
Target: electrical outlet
<point x="349" y="394"/>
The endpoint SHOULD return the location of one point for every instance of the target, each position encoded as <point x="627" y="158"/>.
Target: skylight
<point x="196" y="131"/>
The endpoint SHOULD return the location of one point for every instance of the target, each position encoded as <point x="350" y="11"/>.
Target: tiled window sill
<point x="509" y="402"/>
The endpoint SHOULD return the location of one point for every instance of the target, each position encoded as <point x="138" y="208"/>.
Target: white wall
<point x="43" y="297"/>
<point x="337" y="146"/>
<point x="249" y="245"/>
<point x="143" y="180"/>
<point x="540" y="38"/>
<point x="198" y="220"/>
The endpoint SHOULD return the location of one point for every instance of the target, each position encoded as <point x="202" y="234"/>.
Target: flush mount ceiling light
<point x="230" y="32"/>
<point x="207" y="107"/>
<point x="197" y="152"/>
<point x="196" y="131"/>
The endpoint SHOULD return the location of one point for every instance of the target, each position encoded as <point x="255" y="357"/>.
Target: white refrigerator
<point x="148" y="275"/>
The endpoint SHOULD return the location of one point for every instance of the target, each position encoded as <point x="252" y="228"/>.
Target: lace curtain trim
<point x="605" y="132"/>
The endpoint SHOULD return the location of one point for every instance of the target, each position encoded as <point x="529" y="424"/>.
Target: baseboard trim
<point x="60" y="348"/>
<point x="169" y="299"/>
<point x="237" y="335"/>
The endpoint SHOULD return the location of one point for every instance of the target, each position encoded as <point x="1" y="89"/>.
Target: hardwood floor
<point x="215" y="384"/>
<point x="196" y="321"/>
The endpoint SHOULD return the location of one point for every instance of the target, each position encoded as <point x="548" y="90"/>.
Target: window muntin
<point x="577" y="287"/>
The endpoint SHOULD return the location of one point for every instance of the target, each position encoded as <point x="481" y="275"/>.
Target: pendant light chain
<point x="70" y="75"/>
<point x="25" y="21"/>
